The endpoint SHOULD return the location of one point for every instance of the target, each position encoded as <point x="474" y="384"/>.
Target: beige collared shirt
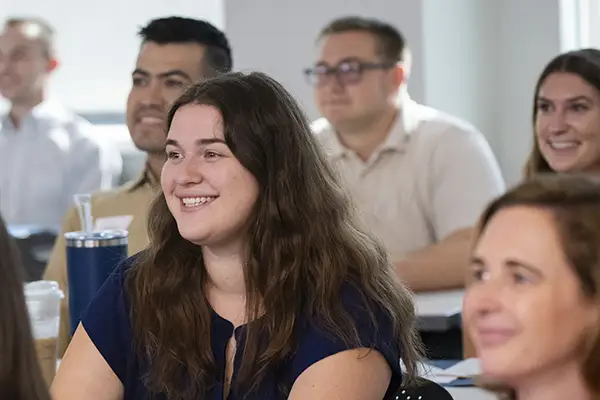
<point x="432" y="176"/>
<point x="123" y="208"/>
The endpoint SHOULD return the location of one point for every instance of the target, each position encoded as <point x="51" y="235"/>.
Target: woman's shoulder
<point x="117" y="278"/>
<point x="318" y="339"/>
<point x="357" y="321"/>
<point x="111" y="295"/>
<point x="361" y="306"/>
<point x="129" y="262"/>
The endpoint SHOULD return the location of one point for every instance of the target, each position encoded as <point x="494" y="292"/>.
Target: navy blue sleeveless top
<point x="108" y="326"/>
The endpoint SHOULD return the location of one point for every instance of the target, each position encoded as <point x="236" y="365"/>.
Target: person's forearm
<point x="439" y="266"/>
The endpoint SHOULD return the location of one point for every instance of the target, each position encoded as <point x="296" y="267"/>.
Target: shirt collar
<point x="146" y="178"/>
<point x="49" y="111"/>
<point x="404" y="125"/>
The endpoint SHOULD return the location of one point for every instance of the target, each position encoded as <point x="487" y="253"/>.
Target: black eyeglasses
<point x="347" y="72"/>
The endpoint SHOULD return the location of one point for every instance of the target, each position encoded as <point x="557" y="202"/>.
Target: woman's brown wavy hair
<point x="304" y="241"/>
<point x="574" y="201"/>
<point x="20" y="375"/>
<point x="584" y="63"/>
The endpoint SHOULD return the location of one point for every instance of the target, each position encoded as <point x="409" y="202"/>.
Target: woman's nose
<point x="558" y="123"/>
<point x="484" y="297"/>
<point x="190" y="172"/>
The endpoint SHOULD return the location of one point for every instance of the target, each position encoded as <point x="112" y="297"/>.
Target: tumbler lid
<point x="105" y="238"/>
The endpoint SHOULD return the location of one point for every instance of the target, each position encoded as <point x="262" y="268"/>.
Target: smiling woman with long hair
<point x="566" y="115"/>
<point x="258" y="282"/>
<point x="20" y="374"/>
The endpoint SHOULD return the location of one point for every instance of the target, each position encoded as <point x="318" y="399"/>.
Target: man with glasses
<point x="420" y="178"/>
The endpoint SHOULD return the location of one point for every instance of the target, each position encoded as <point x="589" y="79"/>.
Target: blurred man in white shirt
<point x="47" y="153"/>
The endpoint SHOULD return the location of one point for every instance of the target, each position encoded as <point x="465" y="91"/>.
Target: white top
<point x="432" y="176"/>
<point x="53" y="156"/>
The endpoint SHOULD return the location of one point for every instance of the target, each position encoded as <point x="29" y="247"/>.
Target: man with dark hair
<point x="419" y="177"/>
<point x="217" y="53"/>
<point x="47" y="153"/>
<point x="175" y="52"/>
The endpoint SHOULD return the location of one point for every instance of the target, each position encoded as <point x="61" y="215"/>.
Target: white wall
<point x="528" y="39"/>
<point x="459" y="64"/>
<point x="477" y="59"/>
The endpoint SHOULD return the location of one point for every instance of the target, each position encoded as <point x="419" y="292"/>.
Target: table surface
<point x="467" y="367"/>
<point x="470" y="393"/>
<point x="445" y="303"/>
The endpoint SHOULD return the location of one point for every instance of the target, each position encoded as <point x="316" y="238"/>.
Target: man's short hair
<point x="392" y="45"/>
<point x="44" y="31"/>
<point x="217" y="57"/>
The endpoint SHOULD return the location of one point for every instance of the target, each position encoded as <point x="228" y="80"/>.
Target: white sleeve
<point x="95" y="163"/>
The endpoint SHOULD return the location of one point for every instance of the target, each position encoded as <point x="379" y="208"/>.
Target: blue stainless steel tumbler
<point x="91" y="258"/>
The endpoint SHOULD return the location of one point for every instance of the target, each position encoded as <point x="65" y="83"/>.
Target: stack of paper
<point x="465" y="369"/>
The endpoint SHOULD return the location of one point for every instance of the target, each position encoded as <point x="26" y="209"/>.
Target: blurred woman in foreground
<point x="566" y="121"/>
<point x="533" y="309"/>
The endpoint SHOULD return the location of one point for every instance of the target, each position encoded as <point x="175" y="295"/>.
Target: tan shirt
<point x="432" y="176"/>
<point x="130" y="201"/>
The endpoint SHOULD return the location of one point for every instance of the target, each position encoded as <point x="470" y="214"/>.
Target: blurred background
<point x="476" y="59"/>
